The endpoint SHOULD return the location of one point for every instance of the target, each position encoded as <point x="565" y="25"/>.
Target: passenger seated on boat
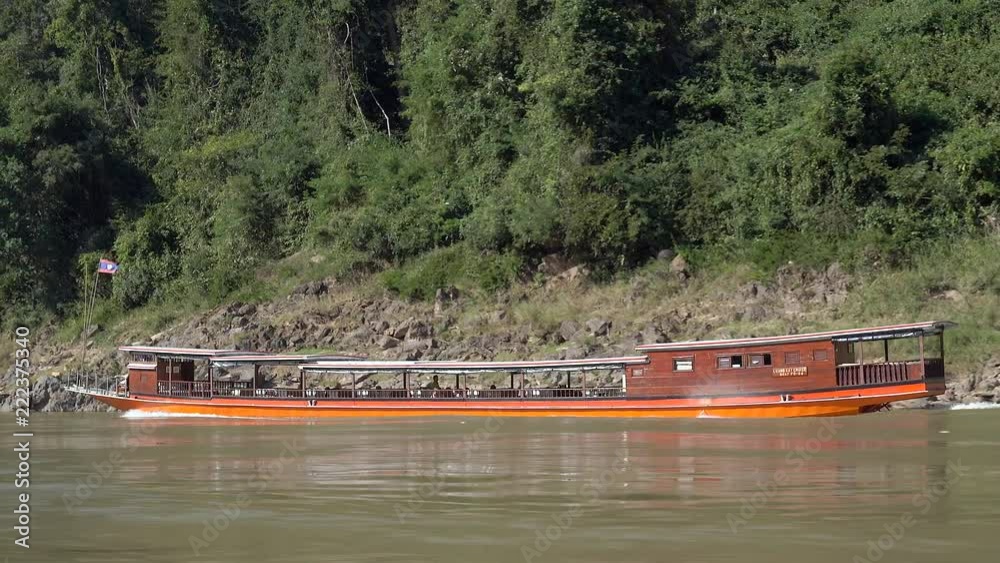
<point x="493" y="386"/>
<point x="433" y="384"/>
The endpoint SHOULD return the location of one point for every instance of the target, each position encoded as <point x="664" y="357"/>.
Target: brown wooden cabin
<point x="831" y="360"/>
<point x="153" y="369"/>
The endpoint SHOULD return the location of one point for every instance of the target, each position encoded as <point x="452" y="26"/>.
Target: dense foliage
<point x="194" y="140"/>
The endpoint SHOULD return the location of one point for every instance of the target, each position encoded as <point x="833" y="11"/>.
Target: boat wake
<point x="975" y="406"/>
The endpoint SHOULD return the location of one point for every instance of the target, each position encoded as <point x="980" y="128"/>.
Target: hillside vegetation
<point x="215" y="147"/>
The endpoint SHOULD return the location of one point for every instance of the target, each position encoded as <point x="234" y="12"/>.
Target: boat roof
<point x="289" y="359"/>
<point x="846" y="335"/>
<point x="220" y="356"/>
<point x="172" y="352"/>
<point x="476" y="367"/>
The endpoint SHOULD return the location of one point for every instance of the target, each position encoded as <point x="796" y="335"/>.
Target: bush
<point x="458" y="266"/>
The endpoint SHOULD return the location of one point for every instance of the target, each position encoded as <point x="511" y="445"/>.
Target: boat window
<point x="727" y="362"/>
<point x="760" y="360"/>
<point x="792" y="358"/>
<point x="683" y="364"/>
<point x="819" y="355"/>
<point x="637" y="372"/>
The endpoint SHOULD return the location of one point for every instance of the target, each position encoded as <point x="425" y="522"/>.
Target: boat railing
<point x="885" y="372"/>
<point x="202" y="389"/>
<point x="329" y="393"/>
<point x="227" y="387"/>
<point x="184" y="388"/>
<point x="111" y="385"/>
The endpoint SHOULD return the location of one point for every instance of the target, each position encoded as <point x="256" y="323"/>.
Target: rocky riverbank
<point x="564" y="316"/>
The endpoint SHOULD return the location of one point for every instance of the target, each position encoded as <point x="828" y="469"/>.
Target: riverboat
<point x="833" y="373"/>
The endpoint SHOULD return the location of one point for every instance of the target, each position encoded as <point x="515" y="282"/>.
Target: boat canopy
<point x="848" y="335"/>
<point x="222" y="357"/>
<point x="226" y="360"/>
<point x="446" y="367"/>
<point x="175" y="353"/>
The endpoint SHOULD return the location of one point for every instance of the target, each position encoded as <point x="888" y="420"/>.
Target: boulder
<point x="666" y="255"/>
<point x="41" y="391"/>
<point x="598" y="327"/>
<point x="419" y="344"/>
<point x="446" y="294"/>
<point x="573" y="353"/>
<point x="679" y="266"/>
<point x="651" y="334"/>
<point x="567" y="329"/>
<point x="399" y="331"/>
<point x="419" y="330"/>
<point x="313" y="288"/>
<point x="387" y="343"/>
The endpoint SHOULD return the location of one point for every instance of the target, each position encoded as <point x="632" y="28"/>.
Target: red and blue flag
<point x="107" y="267"/>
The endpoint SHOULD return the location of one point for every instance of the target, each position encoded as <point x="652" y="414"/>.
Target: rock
<point x="751" y="290"/>
<point x="679" y="265"/>
<point x="387" y="343"/>
<point x="574" y="275"/>
<point x="567" y="329"/>
<point x="573" y="353"/>
<point x="399" y="331"/>
<point x="356" y="336"/>
<point x="41" y="391"/>
<point x="497" y="316"/>
<point x="553" y="265"/>
<point x="446" y="294"/>
<point x="94" y="329"/>
<point x="419" y="344"/>
<point x="245" y="310"/>
<point x="666" y="255"/>
<point x="419" y="330"/>
<point x="953" y="295"/>
<point x="754" y="313"/>
<point x="652" y="334"/>
<point x="598" y="327"/>
<point x="313" y="288"/>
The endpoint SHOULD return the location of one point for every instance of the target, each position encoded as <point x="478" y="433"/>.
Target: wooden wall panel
<point x="142" y="381"/>
<point x="659" y="378"/>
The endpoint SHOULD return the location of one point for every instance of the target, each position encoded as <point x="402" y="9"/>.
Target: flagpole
<point x="86" y="319"/>
<point x="89" y="317"/>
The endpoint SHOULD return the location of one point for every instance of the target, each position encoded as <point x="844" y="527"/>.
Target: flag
<point x="107" y="267"/>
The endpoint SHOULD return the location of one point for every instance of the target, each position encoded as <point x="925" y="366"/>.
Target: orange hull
<point x="827" y="403"/>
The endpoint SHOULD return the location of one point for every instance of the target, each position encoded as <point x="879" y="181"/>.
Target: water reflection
<point x="454" y="489"/>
